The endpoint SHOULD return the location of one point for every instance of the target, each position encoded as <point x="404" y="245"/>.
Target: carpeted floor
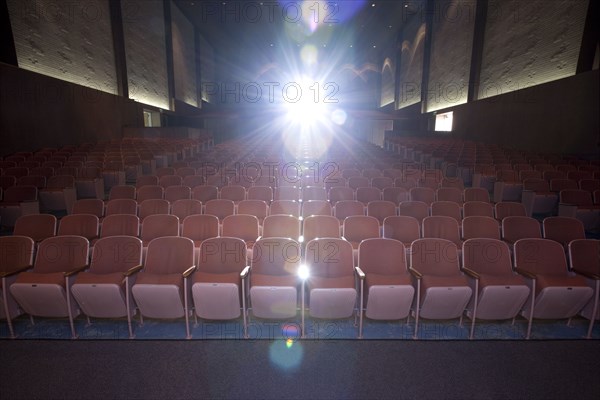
<point x="48" y="328"/>
<point x="308" y="369"/>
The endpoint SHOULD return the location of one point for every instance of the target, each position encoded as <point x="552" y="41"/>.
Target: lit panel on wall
<point x="67" y="40"/>
<point x="207" y="70"/>
<point x="411" y="63"/>
<point x="184" y="57"/>
<point x="451" y="47"/>
<point x="388" y="83"/>
<point x="145" y="50"/>
<point x="527" y="43"/>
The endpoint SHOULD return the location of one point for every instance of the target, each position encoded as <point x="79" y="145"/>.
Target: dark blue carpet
<point x="53" y="328"/>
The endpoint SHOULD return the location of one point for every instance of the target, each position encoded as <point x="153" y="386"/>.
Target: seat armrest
<point x="360" y="273"/>
<point x="415" y="273"/>
<point x="245" y="272"/>
<point x="76" y="270"/>
<point x="471" y="273"/>
<point x="525" y="273"/>
<point x="133" y="270"/>
<point x="189" y="271"/>
<point x="5" y="274"/>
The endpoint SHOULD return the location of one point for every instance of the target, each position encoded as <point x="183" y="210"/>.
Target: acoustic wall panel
<point x="184" y="57"/>
<point x="67" y="40"/>
<point x="451" y="47"/>
<point x="411" y="63"/>
<point x="145" y="51"/>
<point x="207" y="71"/>
<point x="527" y="43"/>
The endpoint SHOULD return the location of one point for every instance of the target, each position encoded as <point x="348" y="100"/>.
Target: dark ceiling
<point x="246" y="35"/>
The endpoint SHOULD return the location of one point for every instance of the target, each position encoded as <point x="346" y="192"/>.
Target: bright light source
<point x="303" y="272"/>
<point x="443" y="122"/>
<point x="304" y="103"/>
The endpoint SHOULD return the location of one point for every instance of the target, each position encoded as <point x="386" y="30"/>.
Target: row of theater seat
<point x="355" y="229"/>
<point x="429" y="173"/>
<point x="220" y="284"/>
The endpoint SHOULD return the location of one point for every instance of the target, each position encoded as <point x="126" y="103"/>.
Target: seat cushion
<point x="115" y="278"/>
<point x="429" y="281"/>
<point x="57" y="278"/>
<point x="317" y="282"/>
<point x="147" y="278"/>
<point x="545" y="281"/>
<point x="273" y="280"/>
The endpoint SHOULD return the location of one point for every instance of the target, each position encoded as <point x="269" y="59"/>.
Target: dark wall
<point x="38" y="111"/>
<point x="559" y="116"/>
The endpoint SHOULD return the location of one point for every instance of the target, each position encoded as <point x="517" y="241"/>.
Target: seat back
<point x="576" y="197"/>
<point x="395" y="194"/>
<point x="159" y="225"/>
<point x="416" y="209"/>
<point x="449" y="194"/>
<point x="287" y="193"/>
<point x="153" y="207"/>
<point x="478" y="208"/>
<point x="150" y="192"/>
<point x="340" y="193"/>
<point x="144" y="180"/>
<point x="505" y="209"/>
<point x="382" y="256"/>
<point x="242" y="226"/>
<point x="367" y="194"/>
<point x="205" y="193"/>
<point x="424" y="194"/>
<point x="121" y="206"/>
<point x="487" y="256"/>
<point x="222" y="255"/>
<point x="319" y="226"/>
<point x="234" y="193"/>
<point x="347" y="208"/>
<point x="264" y="193"/>
<point x="200" y="227"/>
<point x="329" y="258"/>
<point x="584" y="255"/>
<point x="89" y="206"/>
<point x="442" y="227"/>
<point x="174" y="193"/>
<point x="480" y="227"/>
<point x="122" y="192"/>
<point x="35" y="226"/>
<point x="563" y="229"/>
<point x="316" y="207"/>
<point x="169" y="255"/>
<point x="16" y="252"/>
<point x="314" y="193"/>
<point x="61" y="254"/>
<point x="381" y="209"/>
<point x="18" y="194"/>
<point x="517" y="227"/>
<point x="116" y="254"/>
<point x="86" y="225"/>
<point x="276" y="256"/>
<point x="120" y="225"/>
<point x="359" y="227"/>
<point x="382" y="182"/>
<point x="433" y="256"/>
<point x="540" y="256"/>
<point x="220" y="208"/>
<point x="476" y="194"/>
<point x="401" y="227"/>
<point x="446" y="208"/>
<point x="185" y="207"/>
<point x="286" y="226"/>
<point x="285" y="207"/>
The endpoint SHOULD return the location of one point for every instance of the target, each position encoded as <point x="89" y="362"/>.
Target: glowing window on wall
<point x="443" y="122"/>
